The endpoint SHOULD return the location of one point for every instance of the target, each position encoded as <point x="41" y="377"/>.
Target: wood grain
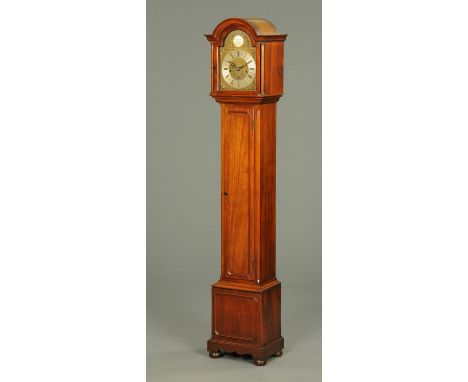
<point x="237" y="174"/>
<point x="235" y="316"/>
<point x="266" y="127"/>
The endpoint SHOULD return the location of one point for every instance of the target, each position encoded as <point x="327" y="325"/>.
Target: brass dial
<point x="238" y="67"/>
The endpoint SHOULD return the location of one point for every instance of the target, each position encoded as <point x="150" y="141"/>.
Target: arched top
<point x="258" y="29"/>
<point x="262" y="27"/>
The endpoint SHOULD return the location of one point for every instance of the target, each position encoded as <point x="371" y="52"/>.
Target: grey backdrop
<point x="183" y="191"/>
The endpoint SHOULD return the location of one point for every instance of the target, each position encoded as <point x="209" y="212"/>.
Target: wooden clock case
<point x="246" y="301"/>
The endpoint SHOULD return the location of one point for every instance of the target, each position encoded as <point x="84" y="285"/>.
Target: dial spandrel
<point x="238" y="67"/>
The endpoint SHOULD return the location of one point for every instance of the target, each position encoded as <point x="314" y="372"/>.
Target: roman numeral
<point x="249" y="62"/>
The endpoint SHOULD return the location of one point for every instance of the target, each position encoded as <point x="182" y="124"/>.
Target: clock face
<point x="238" y="68"/>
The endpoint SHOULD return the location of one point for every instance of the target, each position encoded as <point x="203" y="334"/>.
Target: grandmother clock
<point x="247" y="81"/>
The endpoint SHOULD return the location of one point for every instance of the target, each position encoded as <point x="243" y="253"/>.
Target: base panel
<point x="246" y="321"/>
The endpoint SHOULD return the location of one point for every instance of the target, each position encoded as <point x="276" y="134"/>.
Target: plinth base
<point x="259" y="353"/>
<point x="246" y="320"/>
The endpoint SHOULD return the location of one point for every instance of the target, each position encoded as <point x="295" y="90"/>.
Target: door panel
<point x="237" y="192"/>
